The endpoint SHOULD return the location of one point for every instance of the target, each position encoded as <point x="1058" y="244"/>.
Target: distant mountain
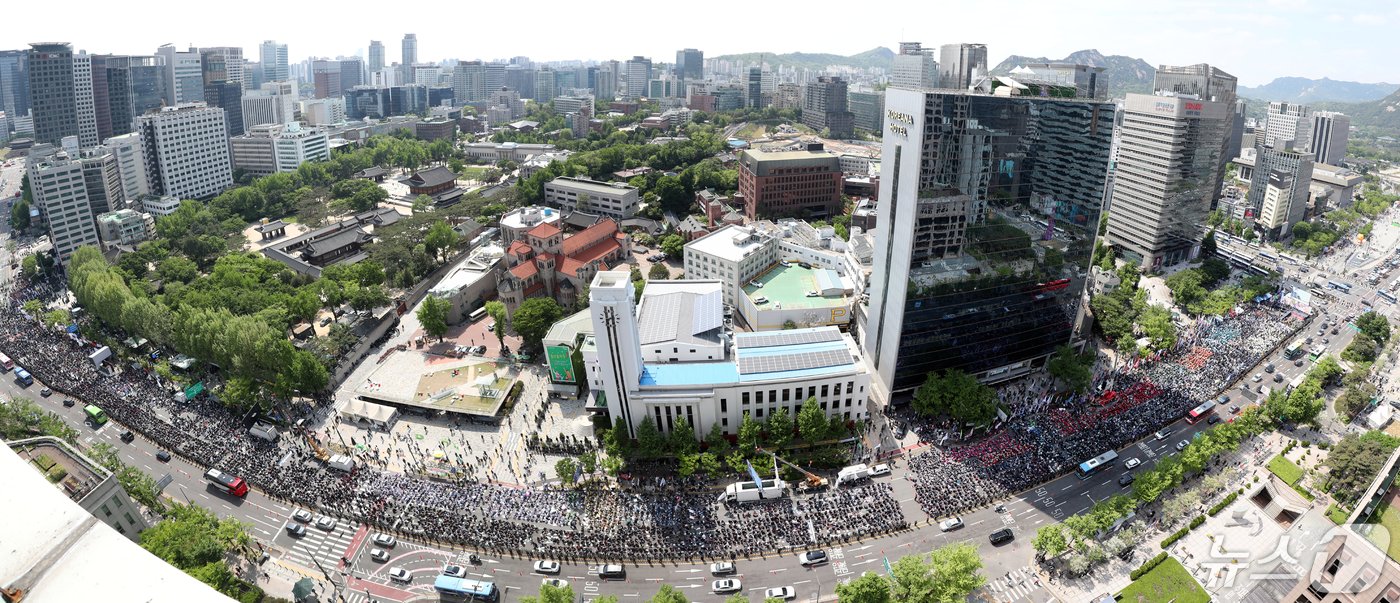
<point x="1378" y="118"/>
<point x="876" y="57"/>
<point x="1306" y="90"/>
<point x="1123" y="74"/>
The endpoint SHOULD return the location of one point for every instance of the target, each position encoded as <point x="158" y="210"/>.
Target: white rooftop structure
<point x="56" y="552"/>
<point x="688" y="312"/>
<point x="732" y="243"/>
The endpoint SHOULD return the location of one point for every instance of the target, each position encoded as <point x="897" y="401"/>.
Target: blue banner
<point x="757" y="481"/>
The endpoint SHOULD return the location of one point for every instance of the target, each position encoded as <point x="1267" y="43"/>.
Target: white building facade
<point x="271" y="148"/>
<point x="57" y="184"/>
<point x="187" y="152"/>
<point x="612" y="199"/>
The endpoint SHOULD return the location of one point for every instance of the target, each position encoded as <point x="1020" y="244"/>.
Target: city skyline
<point x="1340" y="40"/>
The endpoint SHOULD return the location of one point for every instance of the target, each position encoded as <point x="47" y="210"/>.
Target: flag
<point x="888" y="570"/>
<point x="757" y="481"/>
<point x="578" y="470"/>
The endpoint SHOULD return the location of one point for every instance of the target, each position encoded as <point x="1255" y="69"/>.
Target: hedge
<point x="1179" y="534"/>
<point x="1148" y="565"/>
<point x="1220" y="506"/>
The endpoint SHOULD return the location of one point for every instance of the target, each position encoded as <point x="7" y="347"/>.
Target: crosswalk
<point x="322" y="546"/>
<point x="1021" y="583"/>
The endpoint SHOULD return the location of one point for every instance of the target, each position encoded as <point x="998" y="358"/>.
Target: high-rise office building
<point x="187" y="154"/>
<point x="60" y="192"/>
<point x="1283" y="166"/>
<point x="605" y="84"/>
<point x="957" y="282"/>
<point x="544" y="85"/>
<point x="273" y="57"/>
<point x="275" y="103"/>
<point x="520" y="79"/>
<point x="222" y="64"/>
<point x="273" y="148"/>
<point x="102" y="180"/>
<point x="409" y="57"/>
<point x="914" y="67"/>
<point x="867" y="110"/>
<point x="325" y="74"/>
<point x="1330" y="131"/>
<point x="101" y="97"/>
<point x="1166" y="177"/>
<point x="131" y="164"/>
<point x="376" y="56"/>
<point x="960" y="65"/>
<point x="638" y="73"/>
<point x="469" y="81"/>
<point x="690" y="65"/>
<point x="753" y="89"/>
<point x="229" y="97"/>
<point x="84" y="101"/>
<point x="184" y="74"/>
<point x="51" y="88"/>
<point x="135" y="85"/>
<point x="14" y="83"/>
<point x="825" y="107"/>
<point x="1208" y="83"/>
<point x="352" y="73"/>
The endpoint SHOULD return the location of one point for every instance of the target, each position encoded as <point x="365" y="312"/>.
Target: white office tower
<point x="323" y="111"/>
<point x="60" y="192"/>
<point x="638" y="74"/>
<point x="409" y="56"/>
<point x="376" y="56"/>
<point x="275" y="103"/>
<point x="612" y="303"/>
<point x="131" y="164"/>
<point x="1330" y="130"/>
<point x="187" y="154"/>
<point x="272" y="148"/>
<point x="914" y="67"/>
<point x="274" y="61"/>
<point x="1164" y="182"/>
<point x="1283" y="160"/>
<point x="184" y="74"/>
<point x="83" y="100"/>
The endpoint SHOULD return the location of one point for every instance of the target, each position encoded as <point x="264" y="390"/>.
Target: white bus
<point x="477" y="314"/>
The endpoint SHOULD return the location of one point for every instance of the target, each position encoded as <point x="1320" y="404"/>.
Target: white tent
<point x="1380" y="416"/>
<point x="369" y="412"/>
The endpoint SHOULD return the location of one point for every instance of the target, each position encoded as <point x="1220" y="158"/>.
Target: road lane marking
<point x="800" y="582"/>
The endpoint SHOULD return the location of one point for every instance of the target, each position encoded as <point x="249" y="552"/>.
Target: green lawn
<point x="1286" y="470"/>
<point x="1166" y="582"/>
<point x="1389" y="518"/>
<point x="1337" y="514"/>
<point x="474" y="172"/>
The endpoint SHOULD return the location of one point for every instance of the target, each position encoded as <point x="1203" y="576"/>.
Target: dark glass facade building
<point x="988" y="208"/>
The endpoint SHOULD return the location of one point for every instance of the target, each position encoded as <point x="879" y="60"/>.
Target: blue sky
<point x="1257" y="40"/>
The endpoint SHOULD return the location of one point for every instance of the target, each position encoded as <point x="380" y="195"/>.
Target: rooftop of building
<point x="684" y="312"/>
<point x="593" y="185"/>
<point x="769" y="356"/>
<point x="760" y="161"/>
<point x="60" y="552"/>
<point x="731" y="243"/>
<point x="434" y="176"/>
<point x="527" y="217"/>
<point x="786" y="288"/>
<point x="568" y="329"/>
<point x="470" y="270"/>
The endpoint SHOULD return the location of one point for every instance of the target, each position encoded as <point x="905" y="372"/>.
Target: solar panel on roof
<point x="793" y="362"/>
<point x="787" y="338"/>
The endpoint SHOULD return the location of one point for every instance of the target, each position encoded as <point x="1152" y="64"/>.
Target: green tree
<point x="29" y="267"/>
<point x="564" y="468"/>
<point x="551" y="594"/>
<point x="192" y="537"/>
<point x="1353" y="462"/>
<point x="1049" y="541"/>
<point x="668" y="594"/>
<point x="658" y="272"/>
<point x="1374" y="325"/>
<point x="497" y="311"/>
<point x="140" y="486"/>
<point x="811" y="421"/>
<point x="440" y="239"/>
<point x="651" y="443"/>
<point x="715" y="441"/>
<point x="432" y="315"/>
<point x="682" y="440"/>
<point x="1208" y="245"/>
<point x="1157" y="324"/>
<point x="749" y="434"/>
<point x="946" y="575"/>
<point x="534" y="317"/>
<point x="1072" y="368"/>
<point x="1354" y="399"/>
<point x="19" y="215"/>
<point x="957" y="395"/>
<point x="673" y="246"/>
<point x="422" y="203"/>
<point x="869" y="588"/>
<point x="779" y="428"/>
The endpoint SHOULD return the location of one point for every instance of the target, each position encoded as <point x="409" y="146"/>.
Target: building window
<point x="759" y="398"/>
<point x="758" y="413"/>
<point x="106" y="511"/>
<point x="824" y="390"/>
<point x="129" y="519"/>
<point x="786" y="398"/>
<point x="1333" y="567"/>
<point x="723" y="405"/>
<point x="744" y="399"/>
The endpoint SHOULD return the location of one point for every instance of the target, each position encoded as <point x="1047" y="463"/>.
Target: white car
<point x="878" y="470"/>
<point x="781" y="592"/>
<point x="728" y="585"/>
<point x="1182" y="445"/>
<point x="723" y="568"/>
<point x="1132" y="463"/>
<point x="302" y="515"/>
<point x="546" y="567"/>
<point x="456" y="571"/>
<point x="384" y="540"/>
<point x="326" y="522"/>
<point x="555" y="582"/>
<point x="950" y="524"/>
<point x="379" y="555"/>
<point x="399" y="574"/>
<point x="812" y="558"/>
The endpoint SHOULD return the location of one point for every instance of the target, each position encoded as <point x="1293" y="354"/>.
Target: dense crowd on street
<point x="671" y="523"/>
<point x="1126" y="403"/>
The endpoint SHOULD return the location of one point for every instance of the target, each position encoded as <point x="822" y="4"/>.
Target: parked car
<point x="379" y="555"/>
<point x="878" y="470"/>
<point x="296" y="530"/>
<point x="555" y="582"/>
<point x="1213" y="420"/>
<point x="780" y="592"/>
<point x="612" y="571"/>
<point x="723" y="568"/>
<point x="726" y="586"/>
<point x="1182" y="445"/>
<point x="950" y="524"/>
<point x="1125" y="480"/>
<point x="399" y="574"/>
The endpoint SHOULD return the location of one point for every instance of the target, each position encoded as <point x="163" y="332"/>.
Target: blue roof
<point x="690" y="373"/>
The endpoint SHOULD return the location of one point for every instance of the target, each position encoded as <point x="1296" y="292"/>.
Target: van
<point x="612" y="571"/>
<point x="760" y="300"/>
<point x="341" y="462"/>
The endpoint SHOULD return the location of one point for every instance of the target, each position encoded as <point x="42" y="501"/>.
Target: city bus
<point x="1294" y="351"/>
<point x="1343" y="287"/>
<point x="1200" y="412"/>
<point x="1385" y="295"/>
<point x="463" y="589"/>
<point x="1097" y="464"/>
<point x="1268" y="257"/>
<point x="477" y="314"/>
<point x="226" y="483"/>
<point x="23" y="376"/>
<point x="1317" y="352"/>
<point x="95" y="415"/>
<point x="6" y="363"/>
<point x="1320" y="294"/>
